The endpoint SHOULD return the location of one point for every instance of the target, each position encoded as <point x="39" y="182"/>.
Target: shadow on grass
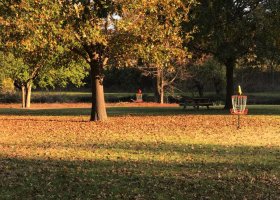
<point x="139" y="111"/>
<point x="158" y="148"/>
<point x="45" y="112"/>
<point x="112" y="178"/>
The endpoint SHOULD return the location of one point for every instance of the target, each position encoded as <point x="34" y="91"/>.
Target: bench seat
<point x="196" y="103"/>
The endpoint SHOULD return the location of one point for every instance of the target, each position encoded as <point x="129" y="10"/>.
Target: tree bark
<point x="23" y="96"/>
<point x="159" y="87"/>
<point x="26" y="95"/>
<point x="98" y="109"/>
<point x="229" y="87"/>
<point x="161" y="93"/>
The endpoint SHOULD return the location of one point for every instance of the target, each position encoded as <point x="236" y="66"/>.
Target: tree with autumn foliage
<point x="120" y="33"/>
<point x="231" y="30"/>
<point x="83" y="29"/>
<point x="157" y="42"/>
<point x="29" y="50"/>
<point x="25" y="34"/>
<point x="39" y="31"/>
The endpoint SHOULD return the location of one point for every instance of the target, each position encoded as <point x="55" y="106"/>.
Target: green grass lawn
<point x="113" y="111"/>
<point x="139" y="153"/>
<point x="64" y="96"/>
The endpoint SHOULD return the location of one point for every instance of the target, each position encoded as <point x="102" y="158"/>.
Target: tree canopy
<point x="50" y="39"/>
<point x="122" y="33"/>
<point x="32" y="53"/>
<point x="231" y="30"/>
<point x="156" y="40"/>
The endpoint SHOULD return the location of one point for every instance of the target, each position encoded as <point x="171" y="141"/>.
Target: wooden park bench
<point x="196" y="102"/>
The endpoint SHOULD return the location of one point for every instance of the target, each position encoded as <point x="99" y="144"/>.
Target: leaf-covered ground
<point x="182" y="156"/>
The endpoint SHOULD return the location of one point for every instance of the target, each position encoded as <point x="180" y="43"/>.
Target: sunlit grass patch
<point x="136" y="154"/>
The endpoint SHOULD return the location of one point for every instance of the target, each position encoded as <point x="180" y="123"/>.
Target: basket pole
<point x="238" y="122"/>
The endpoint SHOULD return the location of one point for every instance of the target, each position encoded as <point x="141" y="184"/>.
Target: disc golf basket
<point x="239" y="106"/>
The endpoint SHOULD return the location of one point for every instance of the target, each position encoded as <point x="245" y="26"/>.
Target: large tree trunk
<point x="98" y="109"/>
<point x="159" y="87"/>
<point x="26" y="95"/>
<point x="229" y="87"/>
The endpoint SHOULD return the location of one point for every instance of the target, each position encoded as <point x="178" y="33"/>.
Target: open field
<point x="53" y="152"/>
